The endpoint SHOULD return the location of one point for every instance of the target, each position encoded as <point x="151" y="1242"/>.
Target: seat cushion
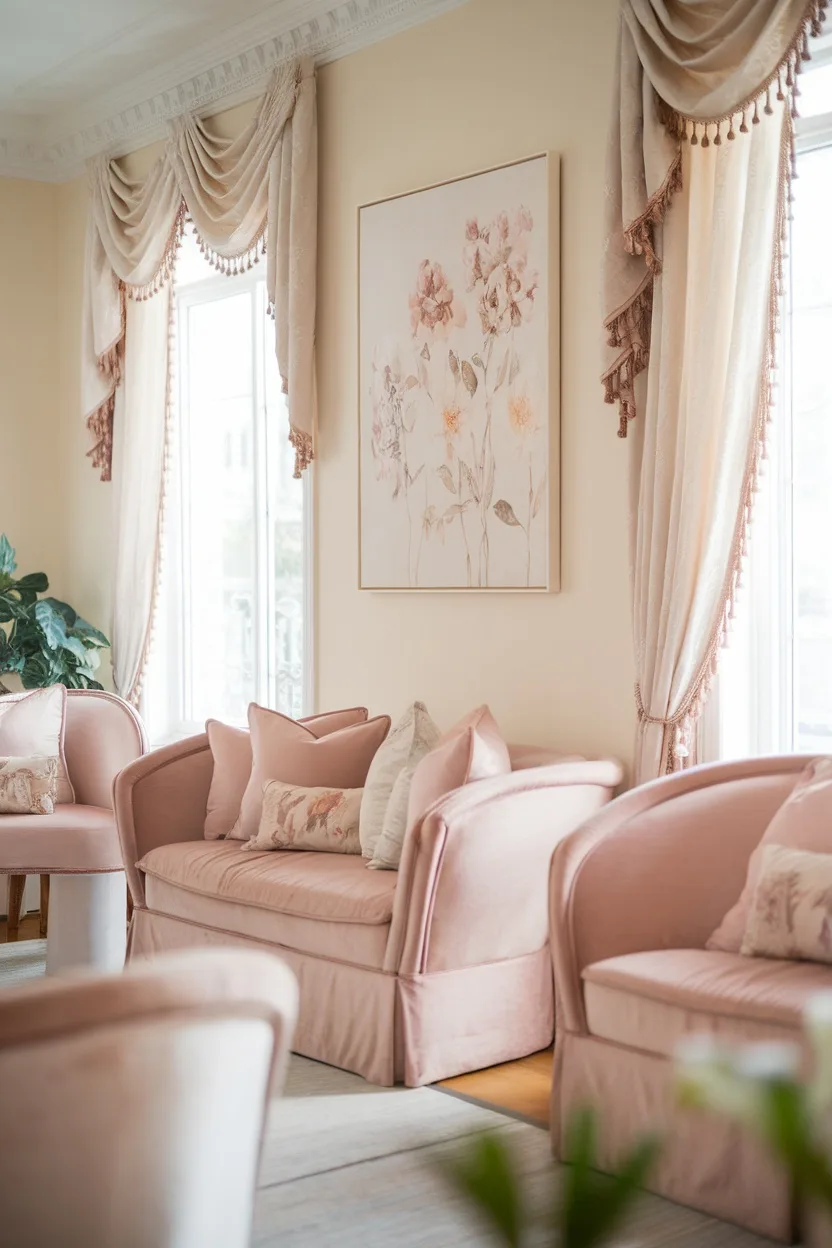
<point x="325" y="904"/>
<point x="650" y="1000"/>
<point x="74" y="838"/>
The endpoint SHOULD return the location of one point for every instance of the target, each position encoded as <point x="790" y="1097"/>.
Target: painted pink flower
<point x="433" y="309"/>
<point x="508" y="298"/>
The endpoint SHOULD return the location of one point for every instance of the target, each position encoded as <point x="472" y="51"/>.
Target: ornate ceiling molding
<point x="219" y="74"/>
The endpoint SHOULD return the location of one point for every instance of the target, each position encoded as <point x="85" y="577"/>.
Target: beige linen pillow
<point x="414" y="736"/>
<point x="283" y="749"/>
<point x="320" y="819"/>
<point x="28" y="786"/>
<point x="804" y="821"/>
<point x="790" y="915"/>
<point x="32" y="725"/>
<point x="231" y="751"/>
<point x="474" y="749"/>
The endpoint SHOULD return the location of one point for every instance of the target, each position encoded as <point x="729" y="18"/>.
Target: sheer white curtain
<point x="247" y="197"/>
<point x="698" y="172"/>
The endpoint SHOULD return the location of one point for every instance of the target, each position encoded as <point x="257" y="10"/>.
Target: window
<point x="775" y="686"/>
<point x="232" y="619"/>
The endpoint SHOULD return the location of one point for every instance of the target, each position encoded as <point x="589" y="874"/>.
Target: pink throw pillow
<point x="804" y="821"/>
<point x="231" y="750"/>
<point x="284" y="749"/>
<point x="473" y="749"/>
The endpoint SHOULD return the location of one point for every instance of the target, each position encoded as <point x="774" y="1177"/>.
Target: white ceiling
<point x="82" y="76"/>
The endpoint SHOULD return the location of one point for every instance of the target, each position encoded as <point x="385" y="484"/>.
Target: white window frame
<point x="171" y="624"/>
<point x="770" y="634"/>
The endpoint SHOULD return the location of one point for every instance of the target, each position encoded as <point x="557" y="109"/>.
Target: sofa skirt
<point x="706" y="1162"/>
<point x="389" y="1028"/>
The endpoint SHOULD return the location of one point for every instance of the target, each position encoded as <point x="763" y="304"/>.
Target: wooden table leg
<point x="17" y="883"/>
<point x="44" y="905"/>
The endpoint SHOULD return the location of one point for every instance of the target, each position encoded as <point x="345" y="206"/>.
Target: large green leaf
<point x="12" y="609"/>
<point x="34" y="582"/>
<point x="89" y="635"/>
<point x="52" y="625"/>
<point x="64" y="610"/>
<point x="8" y="563"/>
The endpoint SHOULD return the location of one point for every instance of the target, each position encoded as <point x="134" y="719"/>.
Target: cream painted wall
<point x="32" y="500"/>
<point x="485" y="84"/>
<point x="482" y="85"/>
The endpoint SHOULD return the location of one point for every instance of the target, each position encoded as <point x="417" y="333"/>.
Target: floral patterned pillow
<point x="791" y="908"/>
<point x="28" y="786"/>
<point x="301" y="818"/>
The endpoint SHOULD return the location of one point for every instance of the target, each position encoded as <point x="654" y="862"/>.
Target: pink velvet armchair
<point x="78" y="844"/>
<point x="415" y="975"/>
<point x="134" y="1104"/>
<point x="635" y="894"/>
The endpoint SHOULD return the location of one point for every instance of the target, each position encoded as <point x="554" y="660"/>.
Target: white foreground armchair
<point x="133" y="1105"/>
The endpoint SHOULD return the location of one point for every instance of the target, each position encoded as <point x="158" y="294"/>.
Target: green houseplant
<point x="42" y="640"/>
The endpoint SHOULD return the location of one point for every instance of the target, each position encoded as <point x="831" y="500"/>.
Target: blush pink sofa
<point x="635" y="894"/>
<point x="415" y="975"/>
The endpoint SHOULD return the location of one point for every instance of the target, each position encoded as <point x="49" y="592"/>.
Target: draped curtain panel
<point x="698" y="170"/>
<point x="252" y="196"/>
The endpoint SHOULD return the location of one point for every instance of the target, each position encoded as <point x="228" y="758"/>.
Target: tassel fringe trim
<point x="680" y="726"/>
<point x="781" y="85"/>
<point x="304" y="450"/>
<point x="100" y="425"/>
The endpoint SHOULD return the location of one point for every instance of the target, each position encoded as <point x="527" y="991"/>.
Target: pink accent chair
<point x="635" y="894"/>
<point x="133" y="1105"/>
<point x="78" y="844"/>
<point x="413" y="976"/>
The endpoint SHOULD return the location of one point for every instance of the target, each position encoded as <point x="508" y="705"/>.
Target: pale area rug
<point x="349" y="1165"/>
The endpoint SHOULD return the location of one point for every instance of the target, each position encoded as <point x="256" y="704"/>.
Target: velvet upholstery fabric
<point x="138" y="1101"/>
<point x="231" y="753"/>
<point x="462" y="983"/>
<point x="633" y="898"/>
<point x="102" y="735"/>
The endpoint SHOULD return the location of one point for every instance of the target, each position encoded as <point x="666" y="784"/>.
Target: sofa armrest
<point x="161" y="799"/>
<point x="659" y="867"/>
<point x="472" y="880"/>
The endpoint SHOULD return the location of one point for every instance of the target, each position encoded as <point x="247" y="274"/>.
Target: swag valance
<point x="248" y="198"/>
<point x="252" y="196"/>
<point x="699" y="164"/>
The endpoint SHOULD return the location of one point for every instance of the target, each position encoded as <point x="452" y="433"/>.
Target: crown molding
<point x="220" y="73"/>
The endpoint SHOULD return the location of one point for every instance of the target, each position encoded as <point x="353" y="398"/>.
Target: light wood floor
<point x="29" y="928"/>
<point x="522" y="1087"/>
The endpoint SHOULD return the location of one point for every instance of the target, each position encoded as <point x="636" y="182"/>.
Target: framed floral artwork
<point x="458" y="379"/>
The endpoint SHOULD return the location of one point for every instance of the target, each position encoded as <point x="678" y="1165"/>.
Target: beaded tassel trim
<point x="629" y="327"/>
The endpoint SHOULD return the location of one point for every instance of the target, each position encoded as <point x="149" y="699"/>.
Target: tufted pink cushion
<point x="804" y="821"/>
<point x="283" y="749"/>
<point x="32" y="724"/>
<point x="231" y="751"/>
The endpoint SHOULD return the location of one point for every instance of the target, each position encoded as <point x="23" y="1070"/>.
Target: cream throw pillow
<point x="320" y="819"/>
<point x="32" y="726"/>
<point x="804" y="821"/>
<point x="28" y="786"/>
<point x="791" y="908"/>
<point x="414" y="736"/>
<point x="474" y="749"/>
